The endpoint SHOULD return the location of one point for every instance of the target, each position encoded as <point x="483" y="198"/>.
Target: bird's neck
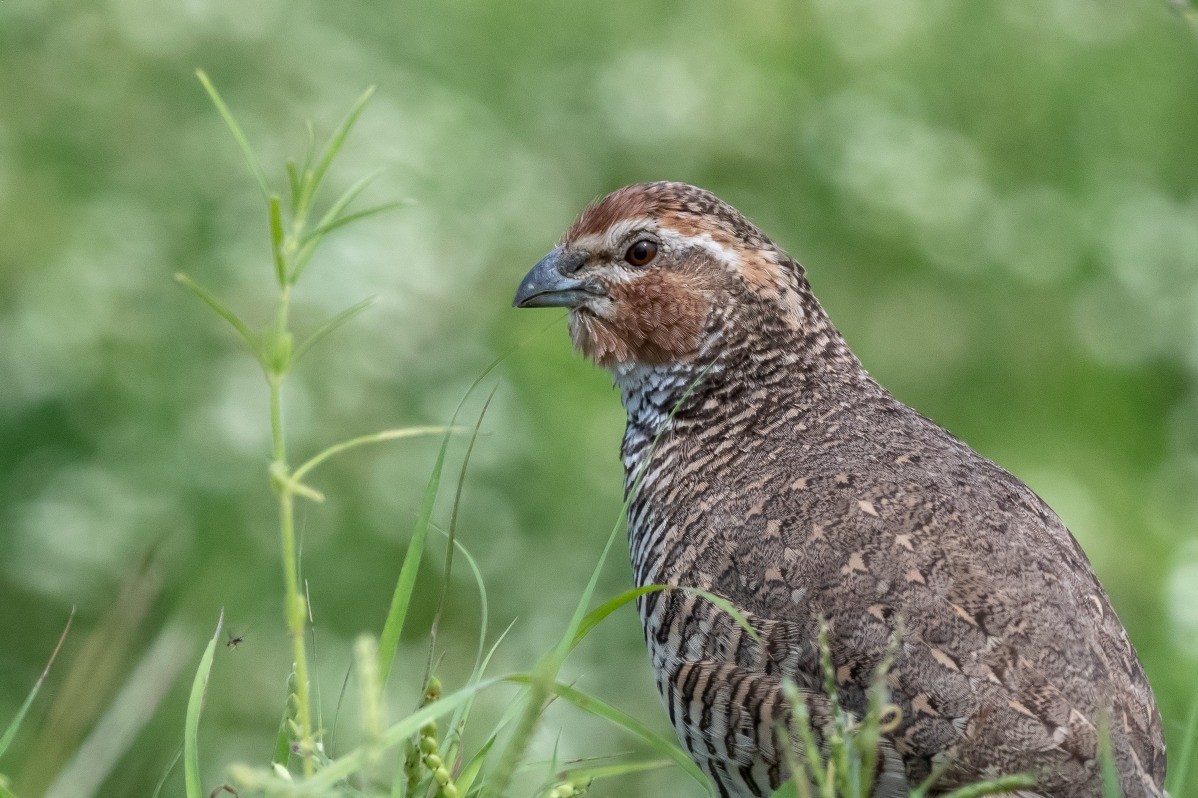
<point x="748" y="370"/>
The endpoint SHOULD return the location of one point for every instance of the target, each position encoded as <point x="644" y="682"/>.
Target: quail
<point x="767" y="467"/>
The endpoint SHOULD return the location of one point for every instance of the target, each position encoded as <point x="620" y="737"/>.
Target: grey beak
<point x="550" y="285"/>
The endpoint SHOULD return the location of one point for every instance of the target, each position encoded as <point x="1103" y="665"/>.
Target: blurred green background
<point x="998" y="203"/>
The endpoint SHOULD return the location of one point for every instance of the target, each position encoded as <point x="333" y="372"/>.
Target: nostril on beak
<point x="571" y="262"/>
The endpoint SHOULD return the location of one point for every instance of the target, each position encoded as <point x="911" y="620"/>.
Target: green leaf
<point x="331" y="325"/>
<point x="377" y="437"/>
<point x="338" y="769"/>
<point x="591" y="774"/>
<point x="601" y="709"/>
<point x="251" y="160"/>
<point x="166" y="774"/>
<point x="217" y="307"/>
<point x="465" y="779"/>
<point x="195" y="705"/>
<point x="327" y="227"/>
<point x="1000" y="786"/>
<point x="397" y="613"/>
<point x="336" y="140"/>
<point x="277" y="239"/>
<point x="282" y="752"/>
<point x="15" y="724"/>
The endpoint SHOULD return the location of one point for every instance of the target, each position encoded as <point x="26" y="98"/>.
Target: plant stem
<point x="295" y="603"/>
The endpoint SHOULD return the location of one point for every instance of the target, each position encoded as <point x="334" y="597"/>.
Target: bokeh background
<point x="998" y="202"/>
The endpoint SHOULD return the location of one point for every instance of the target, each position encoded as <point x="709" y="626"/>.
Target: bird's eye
<point x="641" y="252"/>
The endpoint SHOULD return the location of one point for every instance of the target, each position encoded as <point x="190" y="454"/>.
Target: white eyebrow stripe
<point x="677" y="241"/>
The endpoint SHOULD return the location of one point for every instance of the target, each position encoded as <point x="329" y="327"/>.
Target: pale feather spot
<point x="915" y="576"/>
<point x="923" y="705"/>
<point x="904" y="541"/>
<point x="817" y="533"/>
<point x="842" y="479"/>
<point x="944" y="659"/>
<point x="867" y="507"/>
<point x="756" y="509"/>
<point x="843" y="674"/>
<point x="773" y="528"/>
<point x="878" y="611"/>
<point x="773" y="574"/>
<point x="799" y="484"/>
<point x="903" y="458"/>
<point x="856" y="563"/>
<point x="1020" y="708"/>
<point x="964" y="615"/>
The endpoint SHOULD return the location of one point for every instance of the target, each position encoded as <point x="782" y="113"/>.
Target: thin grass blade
<point x="276" y="238"/>
<point x="343" y="767"/>
<point x="219" y="308"/>
<point x="400" y="599"/>
<point x="331" y="325"/>
<point x="338" y="139"/>
<point x="466" y="778"/>
<point x="601" y="772"/>
<point x="195" y="705"/>
<point x="601" y="709"/>
<point x="1000" y="786"/>
<point x="453" y="527"/>
<point x="341" y="221"/>
<point x="247" y="151"/>
<point x="15" y="724"/>
<point x="597" y="615"/>
<point x="363" y="440"/>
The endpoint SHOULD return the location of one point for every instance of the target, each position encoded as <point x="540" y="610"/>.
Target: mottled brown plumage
<point x="791" y="483"/>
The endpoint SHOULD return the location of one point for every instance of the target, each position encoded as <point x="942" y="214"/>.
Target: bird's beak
<point x="549" y="284"/>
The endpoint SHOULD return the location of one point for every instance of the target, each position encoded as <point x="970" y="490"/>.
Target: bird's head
<point x="661" y="273"/>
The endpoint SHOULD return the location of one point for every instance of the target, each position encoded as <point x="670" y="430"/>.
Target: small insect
<point x="234" y="641"/>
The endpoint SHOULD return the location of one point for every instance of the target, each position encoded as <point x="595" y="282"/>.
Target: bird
<point x="765" y="466"/>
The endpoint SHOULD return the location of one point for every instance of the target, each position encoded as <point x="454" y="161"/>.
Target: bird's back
<point x="834" y="501"/>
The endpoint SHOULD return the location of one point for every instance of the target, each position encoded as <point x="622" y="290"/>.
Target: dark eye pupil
<point x="641" y="253"/>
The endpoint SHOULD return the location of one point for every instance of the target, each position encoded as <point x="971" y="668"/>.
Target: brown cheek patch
<point x="656" y="318"/>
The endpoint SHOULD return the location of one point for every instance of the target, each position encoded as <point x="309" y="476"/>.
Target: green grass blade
<point x="336" y="140"/>
<point x="15" y="724"/>
<point x="343" y="767"/>
<point x="600" y="772"/>
<point x="331" y="325"/>
<point x="363" y="440"/>
<point x="320" y="231"/>
<point x="195" y="705"/>
<point x="282" y="752"/>
<point x="247" y="151"/>
<point x="597" y="615"/>
<point x="1106" y="761"/>
<point x="397" y="613"/>
<point x="348" y="196"/>
<point x="617" y="717"/>
<point x="453" y="528"/>
<point x="465" y="779"/>
<point x="1176" y="783"/>
<point x="999" y="786"/>
<point x="218" y="307"/>
<point x="276" y="238"/>
<point x="166" y="774"/>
